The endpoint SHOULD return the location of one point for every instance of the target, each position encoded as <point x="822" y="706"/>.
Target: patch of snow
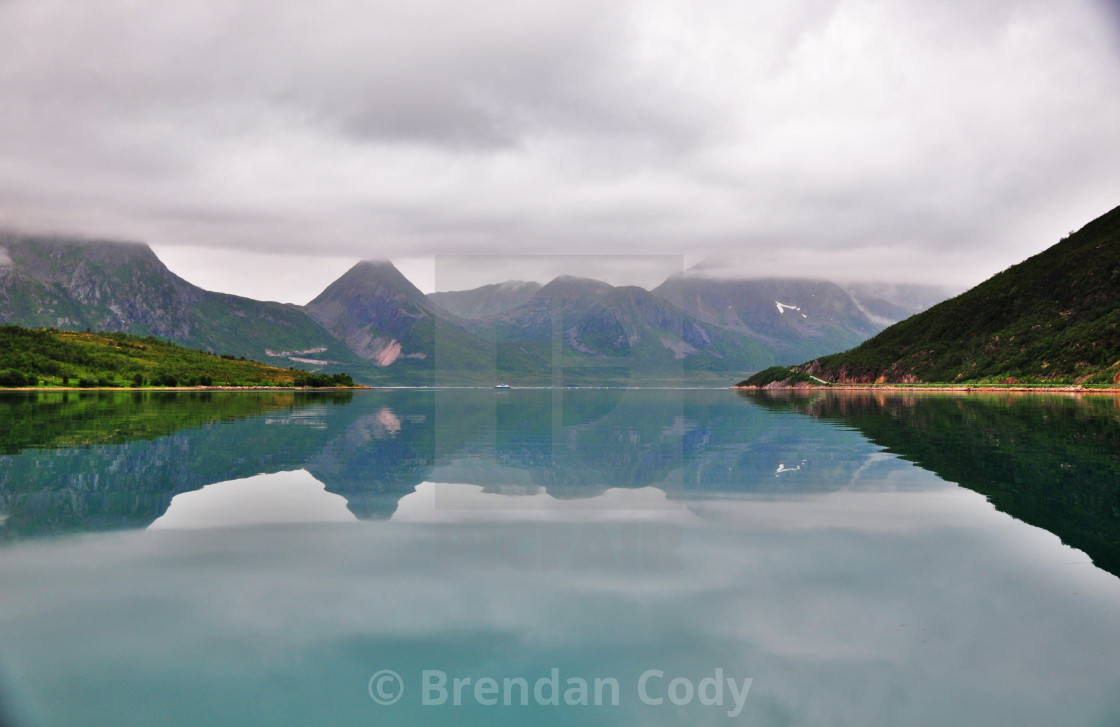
<point x="289" y="354"/>
<point x="782" y="307"/>
<point x="5" y="258"/>
<point x="876" y="319"/>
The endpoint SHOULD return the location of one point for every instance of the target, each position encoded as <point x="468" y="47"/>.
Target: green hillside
<point x="30" y="357"/>
<point x="116" y="286"/>
<point x="780" y="376"/>
<point x="1052" y="318"/>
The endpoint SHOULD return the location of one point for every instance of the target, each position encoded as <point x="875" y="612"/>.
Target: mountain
<point x="793" y="319"/>
<point x="634" y="323"/>
<point x="116" y="286"/>
<point x="685" y="326"/>
<point x="586" y="331"/>
<point x="377" y="312"/>
<point x="1054" y="317"/>
<point x="377" y="326"/>
<point x="486" y="301"/>
<point x="553" y="308"/>
<point x="409" y="340"/>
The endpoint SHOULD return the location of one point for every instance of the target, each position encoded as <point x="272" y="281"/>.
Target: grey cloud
<point x="1111" y="8"/>
<point x="934" y="143"/>
<point x="424" y="72"/>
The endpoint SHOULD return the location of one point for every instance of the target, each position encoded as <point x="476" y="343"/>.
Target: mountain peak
<point x="56" y="259"/>
<point x="378" y="278"/>
<point x="573" y="287"/>
<point x="375" y="310"/>
<point x="563" y="280"/>
<point x="380" y="264"/>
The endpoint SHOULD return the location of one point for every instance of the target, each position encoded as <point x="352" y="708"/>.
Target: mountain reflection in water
<point x="816" y="545"/>
<point x="99" y="461"/>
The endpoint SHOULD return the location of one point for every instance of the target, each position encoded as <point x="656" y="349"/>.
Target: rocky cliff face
<point x="380" y="315"/>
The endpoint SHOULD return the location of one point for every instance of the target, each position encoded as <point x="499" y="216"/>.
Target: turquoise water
<point x="564" y="557"/>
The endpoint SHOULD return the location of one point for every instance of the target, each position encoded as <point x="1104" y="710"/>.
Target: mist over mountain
<point x="787" y="317"/>
<point x="888" y="303"/>
<point x="1052" y="317"/>
<point x="487" y="300"/>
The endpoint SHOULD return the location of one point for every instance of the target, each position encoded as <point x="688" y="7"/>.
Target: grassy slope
<point x="231" y="324"/>
<point x="1054" y="317"/>
<point x="116" y="358"/>
<point x="778" y="375"/>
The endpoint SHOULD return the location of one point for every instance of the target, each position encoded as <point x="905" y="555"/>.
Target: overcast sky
<point x="262" y="147"/>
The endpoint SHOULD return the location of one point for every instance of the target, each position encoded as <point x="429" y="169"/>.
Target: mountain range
<point x="115" y="286"/>
<point x="375" y="324"/>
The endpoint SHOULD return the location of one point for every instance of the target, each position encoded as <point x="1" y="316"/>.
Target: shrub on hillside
<point x="322" y="380"/>
<point x="16" y="378"/>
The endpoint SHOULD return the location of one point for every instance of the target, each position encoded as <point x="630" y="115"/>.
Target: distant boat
<point x="502" y="386"/>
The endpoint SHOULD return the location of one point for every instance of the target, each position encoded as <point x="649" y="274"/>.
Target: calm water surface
<point x="581" y="557"/>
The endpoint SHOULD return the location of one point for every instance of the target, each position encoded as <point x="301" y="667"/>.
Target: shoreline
<point x="948" y="388"/>
<point x="183" y="388"/>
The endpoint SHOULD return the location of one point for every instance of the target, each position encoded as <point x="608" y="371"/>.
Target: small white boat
<point x="502" y="386"/>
